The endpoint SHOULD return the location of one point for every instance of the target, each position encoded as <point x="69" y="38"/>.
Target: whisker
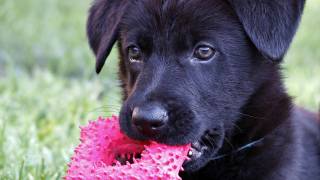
<point x="248" y="115"/>
<point x="229" y="142"/>
<point x="236" y="126"/>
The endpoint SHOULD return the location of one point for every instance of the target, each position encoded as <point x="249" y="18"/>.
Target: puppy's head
<point x="189" y="66"/>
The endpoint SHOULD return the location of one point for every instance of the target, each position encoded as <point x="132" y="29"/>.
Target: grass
<point x="302" y="64"/>
<point x="48" y="87"/>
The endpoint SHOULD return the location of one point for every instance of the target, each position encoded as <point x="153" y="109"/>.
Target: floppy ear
<point x="103" y="27"/>
<point x="270" y="24"/>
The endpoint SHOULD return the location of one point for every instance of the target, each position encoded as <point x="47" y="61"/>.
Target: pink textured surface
<point x="102" y="141"/>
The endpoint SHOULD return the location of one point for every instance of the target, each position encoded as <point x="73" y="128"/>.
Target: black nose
<point x="149" y="118"/>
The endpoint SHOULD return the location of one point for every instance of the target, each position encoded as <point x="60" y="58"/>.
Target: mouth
<point x="196" y="151"/>
<point x="202" y="149"/>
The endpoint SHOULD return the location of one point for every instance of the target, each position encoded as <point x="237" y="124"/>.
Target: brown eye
<point x="204" y="52"/>
<point x="134" y="54"/>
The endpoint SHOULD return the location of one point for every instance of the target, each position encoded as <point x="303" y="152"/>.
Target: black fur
<point x="233" y="99"/>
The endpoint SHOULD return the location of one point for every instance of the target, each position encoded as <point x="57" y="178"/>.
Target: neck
<point x="266" y="110"/>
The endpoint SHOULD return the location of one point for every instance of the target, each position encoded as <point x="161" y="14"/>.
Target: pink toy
<point x="102" y="143"/>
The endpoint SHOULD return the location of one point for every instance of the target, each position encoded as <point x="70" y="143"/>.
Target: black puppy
<point x="207" y="72"/>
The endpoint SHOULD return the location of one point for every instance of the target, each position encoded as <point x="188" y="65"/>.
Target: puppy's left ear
<point x="270" y="24"/>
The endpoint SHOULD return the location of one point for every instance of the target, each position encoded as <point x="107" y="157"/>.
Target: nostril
<point x="135" y="116"/>
<point x="157" y="124"/>
<point x="149" y="117"/>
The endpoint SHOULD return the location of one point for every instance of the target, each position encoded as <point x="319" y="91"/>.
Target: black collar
<point x="240" y="149"/>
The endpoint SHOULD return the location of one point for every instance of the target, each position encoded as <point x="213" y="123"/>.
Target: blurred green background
<point x="48" y="86"/>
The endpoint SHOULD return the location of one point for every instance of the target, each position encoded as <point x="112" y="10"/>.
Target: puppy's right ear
<point x="103" y="27"/>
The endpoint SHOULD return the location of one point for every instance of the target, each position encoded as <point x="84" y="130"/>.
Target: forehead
<point x="179" y="25"/>
<point x="183" y="16"/>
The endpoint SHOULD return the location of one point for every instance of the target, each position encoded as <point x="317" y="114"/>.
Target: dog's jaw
<point x="203" y="149"/>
